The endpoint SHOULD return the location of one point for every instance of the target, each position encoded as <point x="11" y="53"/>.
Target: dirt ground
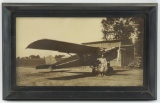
<point x="79" y="76"/>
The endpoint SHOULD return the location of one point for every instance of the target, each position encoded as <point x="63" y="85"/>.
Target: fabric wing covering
<point x="47" y="44"/>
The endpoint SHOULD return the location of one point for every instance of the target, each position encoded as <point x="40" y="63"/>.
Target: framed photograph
<point x="79" y="51"/>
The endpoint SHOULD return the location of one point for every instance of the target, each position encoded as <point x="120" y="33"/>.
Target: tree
<point x="139" y="38"/>
<point x="124" y="29"/>
<point x="18" y="58"/>
<point x="34" y="56"/>
<point x="117" y="28"/>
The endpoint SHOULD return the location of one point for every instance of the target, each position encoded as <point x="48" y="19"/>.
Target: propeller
<point x="118" y="55"/>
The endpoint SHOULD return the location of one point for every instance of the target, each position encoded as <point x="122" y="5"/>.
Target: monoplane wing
<point x="47" y="44"/>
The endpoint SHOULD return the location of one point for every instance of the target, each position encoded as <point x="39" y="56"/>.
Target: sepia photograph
<point x="79" y="51"/>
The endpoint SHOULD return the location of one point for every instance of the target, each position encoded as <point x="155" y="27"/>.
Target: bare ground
<point x="80" y="76"/>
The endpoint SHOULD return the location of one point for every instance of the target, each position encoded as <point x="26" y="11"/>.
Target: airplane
<point x="85" y="55"/>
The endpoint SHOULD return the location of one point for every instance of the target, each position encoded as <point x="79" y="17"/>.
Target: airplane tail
<point x="49" y="61"/>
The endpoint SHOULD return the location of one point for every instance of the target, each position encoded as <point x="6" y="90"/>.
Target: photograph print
<point x="79" y="51"/>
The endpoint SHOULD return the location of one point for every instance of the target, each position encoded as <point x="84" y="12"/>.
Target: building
<point x="126" y="51"/>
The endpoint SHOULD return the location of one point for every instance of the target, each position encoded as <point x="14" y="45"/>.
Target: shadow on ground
<point x="81" y="75"/>
<point x="84" y="75"/>
<point x="56" y="71"/>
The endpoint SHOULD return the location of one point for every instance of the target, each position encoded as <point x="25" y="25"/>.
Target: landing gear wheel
<point x="93" y="71"/>
<point x="110" y="71"/>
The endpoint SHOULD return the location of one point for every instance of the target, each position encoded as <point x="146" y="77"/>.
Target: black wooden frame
<point x="13" y="92"/>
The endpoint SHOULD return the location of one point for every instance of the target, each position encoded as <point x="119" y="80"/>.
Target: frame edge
<point x="6" y="30"/>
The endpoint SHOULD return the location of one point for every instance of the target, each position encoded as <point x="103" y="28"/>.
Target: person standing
<point x="103" y="63"/>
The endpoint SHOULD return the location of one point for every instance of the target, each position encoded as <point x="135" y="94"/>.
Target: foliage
<point x="124" y="29"/>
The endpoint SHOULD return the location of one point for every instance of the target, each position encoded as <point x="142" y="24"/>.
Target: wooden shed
<point x="126" y="54"/>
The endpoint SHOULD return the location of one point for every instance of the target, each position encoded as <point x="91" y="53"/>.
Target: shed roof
<point x="110" y="41"/>
<point x="107" y="41"/>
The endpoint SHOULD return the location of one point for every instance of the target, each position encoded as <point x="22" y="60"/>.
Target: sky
<point x="74" y="30"/>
